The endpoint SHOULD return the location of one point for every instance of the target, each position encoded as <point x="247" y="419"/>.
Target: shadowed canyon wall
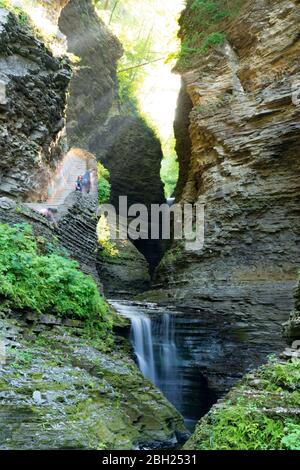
<point x="241" y="159"/>
<point x="96" y="122"/>
<point x="92" y="395"/>
<point x="92" y="101"/>
<point x="93" y="88"/>
<point x="126" y="145"/>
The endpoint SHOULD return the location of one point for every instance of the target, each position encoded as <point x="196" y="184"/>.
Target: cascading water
<point x="164" y="356"/>
<point x="167" y="364"/>
<point x="141" y="335"/>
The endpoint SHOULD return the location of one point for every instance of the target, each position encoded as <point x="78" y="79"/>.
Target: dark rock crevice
<point x="182" y="136"/>
<point x="129" y="148"/>
<point x="242" y="163"/>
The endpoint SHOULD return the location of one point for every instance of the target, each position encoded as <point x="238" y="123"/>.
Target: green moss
<point x="203" y="27"/>
<point x="258" y="414"/>
<point x="47" y="282"/>
<point x="104" y="186"/>
<point x="96" y="400"/>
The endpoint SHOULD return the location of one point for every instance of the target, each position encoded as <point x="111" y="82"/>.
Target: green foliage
<point x="46" y="282"/>
<point x="104" y="186"/>
<point x="282" y="375"/>
<point x="127" y="91"/>
<point x="236" y="428"/>
<point x="246" y="419"/>
<point x="137" y="43"/>
<point x="202" y="26"/>
<point x="213" y="39"/>
<point x="103" y="232"/>
<point x="109" y="249"/>
<point x="291" y="441"/>
<point x="131" y="71"/>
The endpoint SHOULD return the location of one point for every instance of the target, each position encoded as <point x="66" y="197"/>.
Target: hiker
<point x="78" y="186"/>
<point x="49" y="212"/>
<point x="86" y="182"/>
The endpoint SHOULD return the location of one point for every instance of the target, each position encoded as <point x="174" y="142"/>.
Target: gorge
<point x="179" y="329"/>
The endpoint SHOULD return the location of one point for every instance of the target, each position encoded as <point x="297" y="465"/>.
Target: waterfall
<point x="168" y="378"/>
<point x="154" y="344"/>
<point x="164" y="343"/>
<point x="141" y="336"/>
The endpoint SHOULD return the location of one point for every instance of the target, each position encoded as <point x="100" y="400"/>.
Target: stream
<point x="165" y="354"/>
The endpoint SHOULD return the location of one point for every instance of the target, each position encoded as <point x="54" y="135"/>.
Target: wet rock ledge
<point x="59" y="390"/>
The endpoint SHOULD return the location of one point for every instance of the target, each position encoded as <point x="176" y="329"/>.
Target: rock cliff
<point x="132" y="153"/>
<point x="93" y="397"/>
<point x="100" y="402"/>
<point x="263" y="410"/>
<point x="240" y="158"/>
<point x="130" y="150"/>
<point x="260" y="413"/>
<point x="125" y="275"/>
<point x="91" y="100"/>
<point x="93" y="88"/>
<point x="96" y="121"/>
<point x="33" y="86"/>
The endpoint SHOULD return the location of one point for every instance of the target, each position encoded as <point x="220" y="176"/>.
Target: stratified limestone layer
<point x="262" y="412"/>
<point x="241" y="159"/>
<point x="124" y="143"/>
<point x="33" y="86"/>
<point x="57" y="391"/>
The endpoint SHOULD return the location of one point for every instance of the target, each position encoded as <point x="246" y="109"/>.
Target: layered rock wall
<point x="92" y="396"/>
<point x="244" y="130"/>
<point x="33" y="91"/>
<point x="33" y="86"/>
<point x="93" y="89"/>
<point x="132" y="153"/>
<point x="124" y="143"/>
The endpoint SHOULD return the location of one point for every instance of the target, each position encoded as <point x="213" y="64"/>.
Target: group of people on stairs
<point x="85" y="183"/>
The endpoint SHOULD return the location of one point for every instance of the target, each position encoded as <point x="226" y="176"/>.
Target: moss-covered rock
<point x="61" y="390"/>
<point x="261" y="413"/>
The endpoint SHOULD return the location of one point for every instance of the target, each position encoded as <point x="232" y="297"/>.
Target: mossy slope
<point x="58" y="390"/>
<point x="261" y="413"/>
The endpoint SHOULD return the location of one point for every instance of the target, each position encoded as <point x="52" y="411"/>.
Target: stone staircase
<point x="62" y="185"/>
